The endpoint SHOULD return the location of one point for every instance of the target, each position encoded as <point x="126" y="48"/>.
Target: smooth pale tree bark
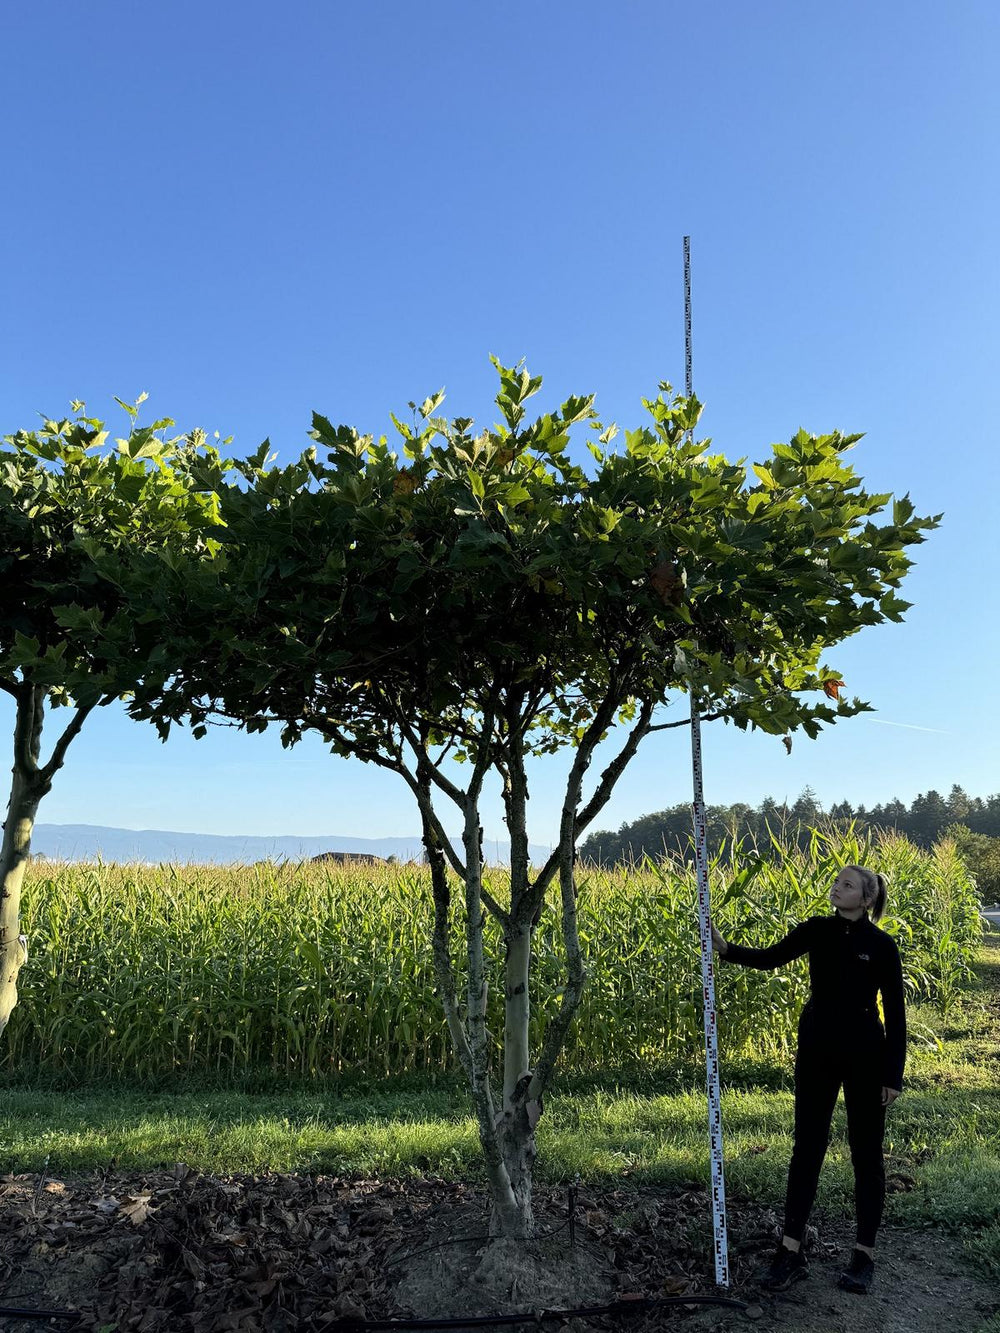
<point x="21" y="810"/>
<point x="30" y="782"/>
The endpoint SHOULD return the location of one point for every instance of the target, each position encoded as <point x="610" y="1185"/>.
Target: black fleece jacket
<point x="850" y="962"/>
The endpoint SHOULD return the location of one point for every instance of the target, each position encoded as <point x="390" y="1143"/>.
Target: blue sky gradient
<point x="256" y="211"/>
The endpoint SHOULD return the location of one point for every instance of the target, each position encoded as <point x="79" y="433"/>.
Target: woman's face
<point x="847" y="893"/>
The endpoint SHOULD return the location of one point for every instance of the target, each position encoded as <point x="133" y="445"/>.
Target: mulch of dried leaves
<point x="192" y="1253"/>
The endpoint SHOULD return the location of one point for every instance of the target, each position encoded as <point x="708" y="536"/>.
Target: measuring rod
<point x="707" y="961"/>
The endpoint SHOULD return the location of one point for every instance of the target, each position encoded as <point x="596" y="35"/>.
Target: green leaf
<point x="430" y="405"/>
<point x="902" y="511"/>
<point x="892" y="607"/>
<point x="404" y="429"/>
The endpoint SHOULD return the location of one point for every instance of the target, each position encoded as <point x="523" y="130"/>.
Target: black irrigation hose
<point x="643" y="1304"/>
<point x="640" y="1306"/>
<point x="15" y="1312"/>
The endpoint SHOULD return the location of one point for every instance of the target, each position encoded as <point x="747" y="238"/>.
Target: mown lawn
<point x="943" y="1141"/>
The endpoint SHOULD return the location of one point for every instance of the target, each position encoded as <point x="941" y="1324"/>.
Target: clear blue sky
<point x="253" y="211"/>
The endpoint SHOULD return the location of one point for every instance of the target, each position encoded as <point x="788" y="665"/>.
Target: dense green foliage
<point x="929" y="814"/>
<point x="928" y="817"/>
<point x="78" y="521"/>
<point x="982" y="855"/>
<point x="139" y="972"/>
<point x="364" y="589"/>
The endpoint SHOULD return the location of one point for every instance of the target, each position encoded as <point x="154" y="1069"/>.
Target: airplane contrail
<point x="909" y="726"/>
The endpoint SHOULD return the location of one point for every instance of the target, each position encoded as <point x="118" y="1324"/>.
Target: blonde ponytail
<point x="873" y="888"/>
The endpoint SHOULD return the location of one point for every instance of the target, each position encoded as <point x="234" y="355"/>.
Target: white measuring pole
<point x="707" y="962"/>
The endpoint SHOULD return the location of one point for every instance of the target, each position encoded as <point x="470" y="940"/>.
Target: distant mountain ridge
<point x="92" y="842"/>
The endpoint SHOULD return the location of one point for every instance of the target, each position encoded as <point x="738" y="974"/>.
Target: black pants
<point x="849" y="1056"/>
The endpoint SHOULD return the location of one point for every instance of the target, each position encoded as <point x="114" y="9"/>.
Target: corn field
<point x="310" y="970"/>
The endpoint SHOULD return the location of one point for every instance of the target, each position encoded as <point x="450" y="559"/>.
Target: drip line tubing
<point x="640" y="1306"/>
<point x="16" y="1312"/>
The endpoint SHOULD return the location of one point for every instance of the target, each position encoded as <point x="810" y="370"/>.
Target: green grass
<point x="943" y="1133"/>
<point x="655" y="1139"/>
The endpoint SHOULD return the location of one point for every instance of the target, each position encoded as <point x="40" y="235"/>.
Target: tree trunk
<point x="507" y="1217"/>
<point x="24" y="797"/>
<point x="516" y="1122"/>
<point x="507" y="1136"/>
<point x="516" y="1010"/>
<point x="441" y="944"/>
<point x="29" y="784"/>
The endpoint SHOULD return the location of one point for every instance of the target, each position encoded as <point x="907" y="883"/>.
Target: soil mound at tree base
<point x="181" y="1252"/>
<point x="504" y="1277"/>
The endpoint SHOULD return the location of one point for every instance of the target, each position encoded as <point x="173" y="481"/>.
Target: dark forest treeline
<point x="971" y="818"/>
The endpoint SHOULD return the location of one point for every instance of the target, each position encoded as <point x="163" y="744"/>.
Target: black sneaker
<point x="858" y="1274"/>
<point x="786" y="1267"/>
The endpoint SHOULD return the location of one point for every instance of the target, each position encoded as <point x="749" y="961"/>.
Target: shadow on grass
<point x="682" y="1075"/>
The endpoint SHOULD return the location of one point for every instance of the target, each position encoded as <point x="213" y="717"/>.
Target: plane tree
<point x="78" y="517"/>
<point x="480" y="596"/>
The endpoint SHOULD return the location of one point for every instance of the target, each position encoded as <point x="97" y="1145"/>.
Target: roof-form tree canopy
<point x="366" y="582"/>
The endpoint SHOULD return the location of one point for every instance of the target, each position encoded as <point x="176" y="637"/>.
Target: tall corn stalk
<point x="310" y="972"/>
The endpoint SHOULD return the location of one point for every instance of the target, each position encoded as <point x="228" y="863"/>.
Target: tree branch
<point x="11" y="686"/>
<point x="532" y="703"/>
<point x="364" y="752"/>
<point x="442" y="947"/>
<point x="58" y="755"/>
<point x="686" y="721"/>
<point x="483" y="757"/>
<point x="462" y="799"/>
<point x="481" y="768"/>
<point x="28" y="729"/>
<point x="444" y="753"/>
<point x="614" y="770"/>
<point x="555" y="1035"/>
<point x="447" y="786"/>
<point x="570" y="827"/>
<point x="576" y="973"/>
<point x="429" y="815"/>
<point x="559" y="1026"/>
<point x="494" y="907"/>
<point x="515" y="800"/>
<point x="535" y="897"/>
<point x="474" y="919"/>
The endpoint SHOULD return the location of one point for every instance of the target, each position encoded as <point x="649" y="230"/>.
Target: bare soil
<point x="181" y="1252"/>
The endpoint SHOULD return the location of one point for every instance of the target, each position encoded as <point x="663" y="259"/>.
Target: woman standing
<point x="841" y="1043"/>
